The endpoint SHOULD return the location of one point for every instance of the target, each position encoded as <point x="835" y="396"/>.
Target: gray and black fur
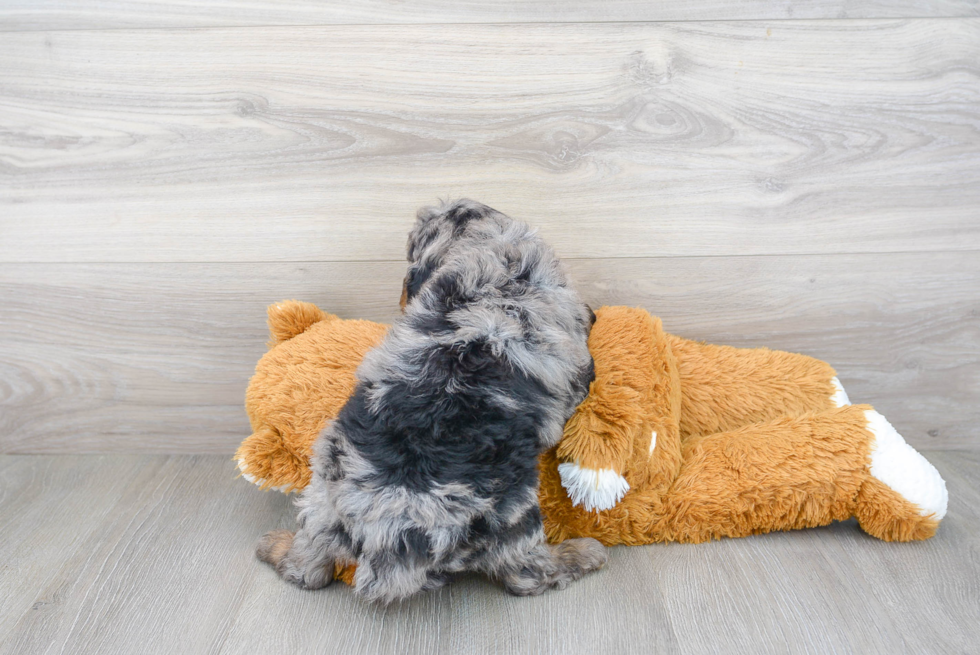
<point x="430" y="468"/>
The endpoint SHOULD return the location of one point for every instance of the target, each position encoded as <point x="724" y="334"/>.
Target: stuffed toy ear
<point x="292" y="317"/>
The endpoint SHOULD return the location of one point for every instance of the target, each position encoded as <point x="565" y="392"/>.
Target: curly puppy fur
<point x="430" y="469"/>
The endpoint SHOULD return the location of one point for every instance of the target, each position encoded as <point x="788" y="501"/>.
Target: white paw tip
<point x="904" y="469"/>
<point x="593" y="490"/>
<point x="839" y="397"/>
<point x="258" y="481"/>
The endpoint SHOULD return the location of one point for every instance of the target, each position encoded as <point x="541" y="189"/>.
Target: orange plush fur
<point x="299" y="385"/>
<point x="747" y="441"/>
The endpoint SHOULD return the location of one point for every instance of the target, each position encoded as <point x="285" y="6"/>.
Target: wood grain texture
<point x="18" y="15"/>
<point x="156" y="357"/>
<point x="617" y="140"/>
<point x="795" y="591"/>
<point x="39" y="497"/>
<point x="169" y="568"/>
<point x="164" y="572"/>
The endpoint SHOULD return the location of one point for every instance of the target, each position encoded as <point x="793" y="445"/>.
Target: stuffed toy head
<point x="299" y="385"/>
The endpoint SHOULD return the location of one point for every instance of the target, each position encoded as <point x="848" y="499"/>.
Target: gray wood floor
<point x="153" y="554"/>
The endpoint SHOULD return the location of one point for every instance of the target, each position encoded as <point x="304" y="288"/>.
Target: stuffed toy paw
<point x="676" y="441"/>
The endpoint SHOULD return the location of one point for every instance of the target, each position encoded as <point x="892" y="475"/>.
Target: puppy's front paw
<point x="594" y="490"/>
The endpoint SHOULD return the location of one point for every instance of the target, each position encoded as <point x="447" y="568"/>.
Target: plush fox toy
<point x="676" y="441"/>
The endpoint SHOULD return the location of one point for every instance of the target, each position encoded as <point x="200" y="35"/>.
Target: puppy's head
<point x="435" y="231"/>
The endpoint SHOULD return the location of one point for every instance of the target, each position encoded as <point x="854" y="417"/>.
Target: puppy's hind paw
<point x="555" y="566"/>
<point x="273" y="546"/>
<point x="581" y="556"/>
<point x="277" y="548"/>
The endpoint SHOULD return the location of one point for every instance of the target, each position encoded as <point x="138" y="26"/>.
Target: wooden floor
<point x="153" y="554"/>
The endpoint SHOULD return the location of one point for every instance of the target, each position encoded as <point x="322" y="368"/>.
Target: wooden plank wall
<point x="804" y="176"/>
<point x="103" y="14"/>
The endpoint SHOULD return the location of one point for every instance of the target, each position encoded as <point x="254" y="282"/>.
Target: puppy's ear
<point x="421" y="252"/>
<point x="591" y="315"/>
<point x="418" y="274"/>
<point x="423" y="233"/>
<point x="404" y="299"/>
<point x="584" y="378"/>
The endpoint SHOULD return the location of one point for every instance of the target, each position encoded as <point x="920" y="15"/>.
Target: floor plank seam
<point x="839" y="253"/>
<point x="864" y="19"/>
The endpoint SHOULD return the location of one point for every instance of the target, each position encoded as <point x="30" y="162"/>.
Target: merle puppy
<point x="430" y="468"/>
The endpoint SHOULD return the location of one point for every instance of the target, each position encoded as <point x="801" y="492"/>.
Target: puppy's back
<point x="434" y="457"/>
<point x="484" y="290"/>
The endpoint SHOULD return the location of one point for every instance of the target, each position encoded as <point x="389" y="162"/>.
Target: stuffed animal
<point x="676" y="441"/>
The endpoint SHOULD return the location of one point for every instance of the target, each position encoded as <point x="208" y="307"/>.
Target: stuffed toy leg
<point x="724" y="388"/>
<point x="712" y="441"/>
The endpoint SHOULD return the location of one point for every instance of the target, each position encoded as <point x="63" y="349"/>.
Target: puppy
<point x="430" y="469"/>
